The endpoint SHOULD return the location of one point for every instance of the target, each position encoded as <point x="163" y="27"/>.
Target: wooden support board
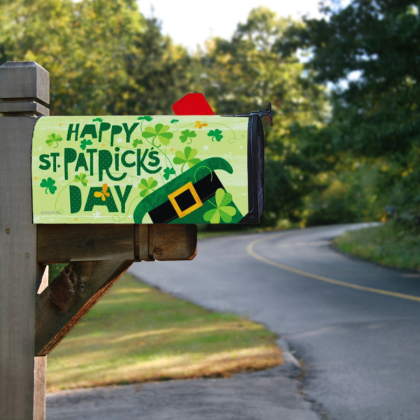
<point x="69" y="243"/>
<point x="67" y="300"/>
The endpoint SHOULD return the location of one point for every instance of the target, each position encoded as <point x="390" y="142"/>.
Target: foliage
<point x="103" y="56"/>
<point x="243" y="74"/>
<point x="54" y="270"/>
<point x="368" y="51"/>
<point x="390" y="244"/>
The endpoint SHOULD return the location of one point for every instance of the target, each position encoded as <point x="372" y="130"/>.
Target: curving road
<point x="354" y="326"/>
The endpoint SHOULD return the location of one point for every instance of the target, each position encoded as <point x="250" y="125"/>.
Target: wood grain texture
<point x="25" y="80"/>
<point x="68" y="243"/>
<point x="67" y="300"/>
<point x="20" y="274"/>
<point x="143" y="249"/>
<point x="71" y="243"/>
<point x="31" y="108"/>
<point x="40" y="386"/>
<point x="172" y="242"/>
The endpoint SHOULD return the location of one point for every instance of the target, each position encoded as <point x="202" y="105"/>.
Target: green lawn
<point x="137" y="333"/>
<point x="388" y="244"/>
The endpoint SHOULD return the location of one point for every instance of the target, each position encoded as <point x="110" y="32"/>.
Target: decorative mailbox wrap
<point x="147" y="169"/>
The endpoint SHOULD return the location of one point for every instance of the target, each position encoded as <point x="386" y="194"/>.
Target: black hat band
<point x="185" y="202"/>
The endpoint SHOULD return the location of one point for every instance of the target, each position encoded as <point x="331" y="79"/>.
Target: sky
<point x="191" y="22"/>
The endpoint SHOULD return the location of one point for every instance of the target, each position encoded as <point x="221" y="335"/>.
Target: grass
<point x="388" y="244"/>
<point x="202" y="234"/>
<point x="54" y="271"/>
<point x="137" y="333"/>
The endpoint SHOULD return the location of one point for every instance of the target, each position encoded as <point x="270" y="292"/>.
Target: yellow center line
<point x="251" y="252"/>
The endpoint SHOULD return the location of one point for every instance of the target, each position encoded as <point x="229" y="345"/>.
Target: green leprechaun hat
<point x="186" y="199"/>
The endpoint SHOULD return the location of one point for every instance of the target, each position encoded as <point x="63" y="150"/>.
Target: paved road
<point x="360" y="349"/>
<point x="353" y="325"/>
<point x="268" y="395"/>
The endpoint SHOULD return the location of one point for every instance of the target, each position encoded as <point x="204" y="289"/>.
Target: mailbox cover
<point x="148" y="169"/>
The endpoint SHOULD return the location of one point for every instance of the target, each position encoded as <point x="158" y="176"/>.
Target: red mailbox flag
<point x="192" y="104"/>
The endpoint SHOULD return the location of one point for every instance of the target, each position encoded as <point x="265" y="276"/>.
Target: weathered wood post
<point x="24" y="89"/>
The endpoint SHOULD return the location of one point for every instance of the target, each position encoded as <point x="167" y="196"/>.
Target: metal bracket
<point x="266" y="113"/>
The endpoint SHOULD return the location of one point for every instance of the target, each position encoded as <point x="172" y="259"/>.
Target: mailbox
<point x="150" y="169"/>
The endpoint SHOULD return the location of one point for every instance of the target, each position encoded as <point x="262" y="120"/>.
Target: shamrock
<point x="160" y="131"/>
<point x="147" y="118"/>
<point x="215" y="134"/>
<point x="136" y="142"/>
<point x="187" y="134"/>
<point x="186" y="157"/>
<point x="174" y="121"/>
<point x="53" y="139"/>
<point x="222" y="209"/>
<point x="147" y="186"/>
<point x="48" y="184"/>
<point x="168" y="172"/>
<point x="97" y="119"/>
<point x="85" y="143"/>
<point x="81" y="178"/>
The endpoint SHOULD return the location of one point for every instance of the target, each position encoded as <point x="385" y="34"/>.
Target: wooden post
<point x="24" y="89"/>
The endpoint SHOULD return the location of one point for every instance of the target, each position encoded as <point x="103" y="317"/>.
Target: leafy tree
<point x="159" y="73"/>
<point x="243" y="74"/>
<point x="103" y="56"/>
<point x="369" y="52"/>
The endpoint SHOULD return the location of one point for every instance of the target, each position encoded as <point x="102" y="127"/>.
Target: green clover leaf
<point x="187" y="134"/>
<point x="215" y="134"/>
<point x="136" y="142"/>
<point x="174" y="121"/>
<point x="48" y="184"/>
<point x="146" y="118"/>
<point x="147" y="186"/>
<point x="53" y="139"/>
<point x="81" y="178"/>
<point x="97" y="119"/>
<point x="222" y="210"/>
<point x="168" y="172"/>
<point x="188" y="157"/>
<point x="85" y="143"/>
<point x="160" y="131"/>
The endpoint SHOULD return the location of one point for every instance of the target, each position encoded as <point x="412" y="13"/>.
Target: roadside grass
<point x="137" y="333"/>
<point x="388" y="244"/>
<point x="202" y="234"/>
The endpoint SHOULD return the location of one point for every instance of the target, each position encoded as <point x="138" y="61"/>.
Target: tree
<point x="242" y="74"/>
<point x="369" y="52"/>
<point x="103" y="56"/>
